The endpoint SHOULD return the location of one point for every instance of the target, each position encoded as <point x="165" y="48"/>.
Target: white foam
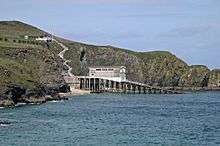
<point x="55" y="101"/>
<point x="4" y="125"/>
<point x="20" y="104"/>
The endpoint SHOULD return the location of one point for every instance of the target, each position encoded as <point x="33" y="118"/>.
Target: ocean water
<point x="116" y="119"/>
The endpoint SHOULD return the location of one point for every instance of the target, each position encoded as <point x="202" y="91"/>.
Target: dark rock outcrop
<point x="59" y="88"/>
<point x="18" y="94"/>
<point x="6" y="102"/>
<point x="5" y="123"/>
<point x="15" y="92"/>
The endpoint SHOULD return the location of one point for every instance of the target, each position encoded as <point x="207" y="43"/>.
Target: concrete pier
<point x="112" y="79"/>
<point x="100" y="85"/>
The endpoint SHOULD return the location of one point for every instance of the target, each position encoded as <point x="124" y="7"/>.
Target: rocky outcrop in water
<point x="4" y="123"/>
<point x="19" y="94"/>
<point x="6" y="102"/>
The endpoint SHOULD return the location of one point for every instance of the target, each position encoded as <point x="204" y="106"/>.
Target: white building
<point x="44" y="39"/>
<point x="116" y="73"/>
<point x="26" y="37"/>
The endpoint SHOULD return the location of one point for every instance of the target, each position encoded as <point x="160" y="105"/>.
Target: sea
<point x="190" y="119"/>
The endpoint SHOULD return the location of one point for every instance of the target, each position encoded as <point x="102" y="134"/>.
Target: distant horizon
<point x="188" y="29"/>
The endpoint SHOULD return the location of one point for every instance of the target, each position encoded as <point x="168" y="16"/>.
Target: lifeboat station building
<point x="103" y="77"/>
<point x="116" y="73"/>
<point x="113" y="79"/>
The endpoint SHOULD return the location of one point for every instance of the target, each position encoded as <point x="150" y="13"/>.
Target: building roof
<point x="107" y="66"/>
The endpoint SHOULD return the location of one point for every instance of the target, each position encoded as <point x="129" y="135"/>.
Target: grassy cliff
<point x="26" y="64"/>
<point x="30" y="63"/>
<point x="159" y="68"/>
<point x="214" y="78"/>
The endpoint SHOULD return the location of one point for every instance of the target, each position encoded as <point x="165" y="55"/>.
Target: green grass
<point x="25" y="64"/>
<point x="13" y="72"/>
<point x="29" y="62"/>
<point x="16" y="29"/>
<point x="17" y="45"/>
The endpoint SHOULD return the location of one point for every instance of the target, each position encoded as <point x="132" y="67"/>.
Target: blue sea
<point x="191" y="119"/>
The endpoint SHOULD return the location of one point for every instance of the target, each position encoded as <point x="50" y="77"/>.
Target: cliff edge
<point x="33" y="68"/>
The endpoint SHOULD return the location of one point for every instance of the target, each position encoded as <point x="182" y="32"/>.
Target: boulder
<point x="14" y="92"/>
<point x="59" y="88"/>
<point x="6" y="103"/>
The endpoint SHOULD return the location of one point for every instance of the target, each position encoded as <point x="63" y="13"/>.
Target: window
<point x="98" y="69"/>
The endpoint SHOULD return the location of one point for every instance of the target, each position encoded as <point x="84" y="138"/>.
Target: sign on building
<point x="118" y="72"/>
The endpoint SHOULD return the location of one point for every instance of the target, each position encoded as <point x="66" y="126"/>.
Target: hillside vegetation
<point x="29" y="63"/>
<point x="159" y="68"/>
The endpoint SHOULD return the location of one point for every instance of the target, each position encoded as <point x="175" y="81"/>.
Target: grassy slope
<point x="15" y="29"/>
<point x="155" y="68"/>
<point x="214" y="78"/>
<point x="26" y="64"/>
<point x="158" y="67"/>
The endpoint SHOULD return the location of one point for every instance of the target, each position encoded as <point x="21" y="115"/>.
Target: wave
<point x="20" y="104"/>
<point x="4" y="125"/>
<point x="55" y="101"/>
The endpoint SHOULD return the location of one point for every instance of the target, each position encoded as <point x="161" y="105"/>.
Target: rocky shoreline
<point x="18" y="94"/>
<point x="42" y="94"/>
<point x="32" y="71"/>
<point x="192" y="89"/>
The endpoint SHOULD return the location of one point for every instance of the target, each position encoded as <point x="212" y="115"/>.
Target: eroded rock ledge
<point x="18" y="94"/>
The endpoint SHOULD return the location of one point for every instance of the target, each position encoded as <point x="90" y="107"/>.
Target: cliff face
<point x="30" y="64"/>
<point x="195" y="76"/>
<point x="214" y="78"/>
<point x="26" y="67"/>
<point x="162" y="68"/>
<point x="27" y="62"/>
<point x="157" y="68"/>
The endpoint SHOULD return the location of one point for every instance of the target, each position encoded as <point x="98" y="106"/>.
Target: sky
<point x="190" y="29"/>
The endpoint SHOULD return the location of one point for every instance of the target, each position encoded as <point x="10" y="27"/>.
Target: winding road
<point x="61" y="55"/>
